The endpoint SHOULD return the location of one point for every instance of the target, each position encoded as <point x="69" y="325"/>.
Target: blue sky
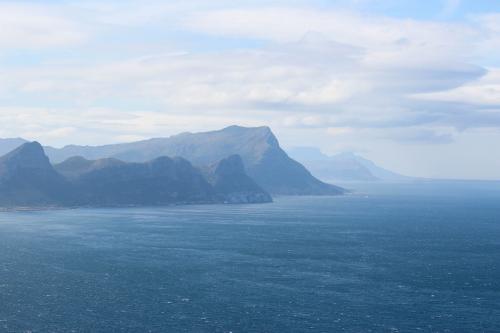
<point x="413" y="85"/>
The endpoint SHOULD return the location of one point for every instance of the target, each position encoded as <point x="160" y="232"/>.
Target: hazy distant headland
<point x="344" y="167"/>
<point x="232" y="165"/>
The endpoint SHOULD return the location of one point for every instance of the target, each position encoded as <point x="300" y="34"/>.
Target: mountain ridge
<point x="263" y="158"/>
<point x="28" y="179"/>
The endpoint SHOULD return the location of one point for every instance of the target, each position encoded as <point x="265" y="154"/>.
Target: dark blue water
<point x="390" y="258"/>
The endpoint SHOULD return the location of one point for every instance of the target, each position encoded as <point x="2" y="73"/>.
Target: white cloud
<point x="484" y="91"/>
<point x="54" y="126"/>
<point x="336" y="131"/>
<point x="387" y="39"/>
<point x="32" y="26"/>
<point x="231" y="79"/>
<point x="345" y="78"/>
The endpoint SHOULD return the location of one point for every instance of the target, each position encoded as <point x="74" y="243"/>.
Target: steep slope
<point x="259" y="149"/>
<point x="232" y="185"/>
<point x="28" y="179"/>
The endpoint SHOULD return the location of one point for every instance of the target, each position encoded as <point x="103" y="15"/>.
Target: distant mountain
<point x="27" y="178"/>
<point x="262" y="156"/>
<point x="343" y="166"/>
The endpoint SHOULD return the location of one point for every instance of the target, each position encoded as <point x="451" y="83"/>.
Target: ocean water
<point x="388" y="258"/>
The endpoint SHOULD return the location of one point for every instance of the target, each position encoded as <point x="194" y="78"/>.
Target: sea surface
<point x="421" y="257"/>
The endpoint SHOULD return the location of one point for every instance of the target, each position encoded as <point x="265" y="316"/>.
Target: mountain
<point x="262" y="156"/>
<point x="343" y="166"/>
<point x="27" y="178"/>
<point x="160" y="181"/>
<point x="231" y="184"/>
<point x="8" y="145"/>
<point x="157" y="182"/>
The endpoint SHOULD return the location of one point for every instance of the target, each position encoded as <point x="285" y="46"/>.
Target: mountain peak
<point x="29" y="155"/>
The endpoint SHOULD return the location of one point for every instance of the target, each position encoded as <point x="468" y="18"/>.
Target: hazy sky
<point x="413" y="85"/>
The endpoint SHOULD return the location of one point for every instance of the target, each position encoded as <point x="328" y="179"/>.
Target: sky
<point x="412" y="85"/>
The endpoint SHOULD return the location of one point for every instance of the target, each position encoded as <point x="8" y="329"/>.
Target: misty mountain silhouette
<point x="345" y="166"/>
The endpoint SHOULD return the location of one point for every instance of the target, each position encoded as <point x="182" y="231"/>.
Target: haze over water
<point x="388" y="258"/>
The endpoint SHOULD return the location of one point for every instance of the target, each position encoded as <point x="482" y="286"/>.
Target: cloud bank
<point x="346" y="79"/>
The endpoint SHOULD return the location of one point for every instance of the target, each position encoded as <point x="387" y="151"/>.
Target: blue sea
<point x="421" y="257"/>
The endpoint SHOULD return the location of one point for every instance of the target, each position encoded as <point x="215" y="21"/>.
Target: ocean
<point x="421" y="257"/>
